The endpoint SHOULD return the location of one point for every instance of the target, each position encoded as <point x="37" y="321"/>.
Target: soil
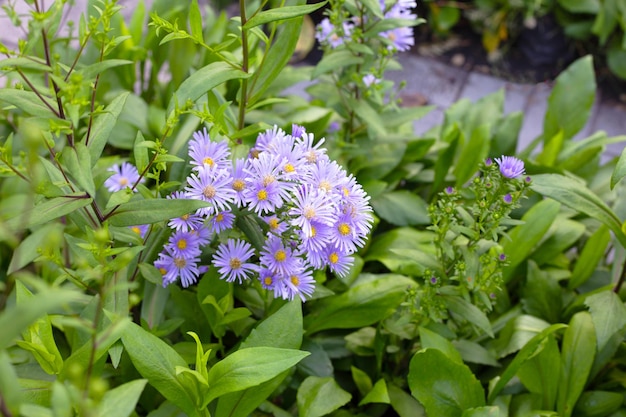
<point x="537" y="55"/>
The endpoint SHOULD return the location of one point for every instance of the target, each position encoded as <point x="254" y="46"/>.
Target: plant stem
<point x="622" y="277"/>
<point x="93" y="99"/>
<point x="243" y="98"/>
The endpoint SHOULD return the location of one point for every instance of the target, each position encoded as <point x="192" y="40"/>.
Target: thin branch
<point x="621" y="280"/>
<point x="93" y="100"/>
<point x="243" y="98"/>
<point x="42" y="98"/>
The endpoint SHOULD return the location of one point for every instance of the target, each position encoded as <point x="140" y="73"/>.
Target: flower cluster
<point x="314" y="214"/>
<point x="399" y="38"/>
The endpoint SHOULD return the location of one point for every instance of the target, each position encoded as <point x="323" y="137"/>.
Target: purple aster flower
<point x="312" y="152"/>
<point x="327" y="33"/>
<point x="205" y="153"/>
<point x="186" y="222"/>
<point x="125" y="176"/>
<point x="488" y="162"/>
<point x="184" y="244"/>
<point x="300" y="283"/>
<point x="203" y="233"/>
<point x="231" y="259"/>
<point x="333" y="127"/>
<point x="268" y="140"/>
<point x="328" y="176"/>
<point x="272" y="282"/>
<point x="239" y="181"/>
<point x="311" y="205"/>
<point x="400" y="39"/>
<point x="370" y="79"/>
<point x="222" y="220"/>
<point x="345" y="234"/>
<point x="277" y="226"/>
<point x="508" y="199"/>
<point x="510" y="166"/>
<point x="265" y="188"/>
<point x="213" y="186"/>
<point x="141" y="229"/>
<point x="315" y="242"/>
<point x="277" y="257"/>
<point x="338" y="261"/>
<point x="297" y="130"/>
<point x="173" y="267"/>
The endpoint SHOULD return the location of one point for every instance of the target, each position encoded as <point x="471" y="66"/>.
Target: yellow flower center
<point x="123" y="181"/>
<point x="219" y="217"/>
<point x="346" y="192"/>
<point x="391" y="36"/>
<point x="136" y="229"/>
<point x="309" y="212"/>
<point x="294" y="280"/>
<point x="182" y="244"/>
<point x="185" y="216"/>
<point x="273" y="223"/>
<point x="162" y="271"/>
<point x="268" y="280"/>
<point x="313" y="231"/>
<point x="235" y="263"/>
<point x="311" y="157"/>
<point x="344" y="229"/>
<point x="325" y="185"/>
<point x="209" y="191"/>
<point x="239" y="185"/>
<point x="268" y="179"/>
<point x="262" y="195"/>
<point x="289" y="168"/>
<point x="180" y="262"/>
<point x="208" y="161"/>
<point x="333" y="258"/>
<point x="280" y="255"/>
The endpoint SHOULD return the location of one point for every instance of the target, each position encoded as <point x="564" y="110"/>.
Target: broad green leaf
<point x="48" y="210"/>
<point x="92" y="70"/>
<point x="591" y="255"/>
<point x="318" y="363"/>
<point x="445" y="387"/>
<point x="203" y="80"/>
<point x="378" y="394"/>
<point x="523" y="238"/>
<point x="568" y="107"/>
<point x="579" y="341"/>
<point x="336" y="59"/>
<point x="364" y="304"/>
<point x="563" y="234"/>
<point x="320" y="396"/>
<point x="361" y="379"/>
<point x="539" y="374"/>
<point x="530" y="349"/>
<point x="102" y="126"/>
<point x="121" y="400"/>
<point x="249" y="367"/>
<point x="401" y="208"/>
<point x="472" y="154"/>
<point x="541" y="294"/>
<point x="154" y="210"/>
<point x="283" y="329"/>
<point x="581" y="6"/>
<point x="517" y="332"/>
<point x="473" y="352"/>
<point x="608" y="314"/>
<point x="382" y="247"/>
<point x="281" y="13"/>
<point x="30" y="248"/>
<point x="599" y="403"/>
<point x="619" y="171"/>
<point x="432" y="340"/>
<point x="9" y="386"/>
<point x="78" y="163"/>
<point x="156" y="361"/>
<point x="485" y="411"/>
<point x="616" y="58"/>
<point x="26" y="101"/>
<point x="30" y="63"/>
<point x="369" y="117"/>
<point x="551" y="149"/>
<point x="140" y="152"/>
<point x="576" y="195"/>
<point x="403" y="403"/>
<point x="15" y="319"/>
<point x="445" y="158"/>
<point x="467" y="311"/>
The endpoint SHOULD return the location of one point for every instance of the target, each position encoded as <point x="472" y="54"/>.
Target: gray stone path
<point x="441" y="85"/>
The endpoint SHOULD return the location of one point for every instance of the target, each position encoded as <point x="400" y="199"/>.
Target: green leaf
<point x="472" y="154"/>
<point x="31" y="247"/>
<point x="599" y="403"/>
<point x="403" y="403"/>
<point x="249" y="367"/>
<point x="401" y="208"/>
<point x="579" y="341"/>
<point x="569" y="108"/>
<point x="48" y="210"/>
<point x="465" y="310"/>
<point x="335" y="60"/>
<point x="378" y="394"/>
<point x="15" y="319"/>
<point x="581" y="6"/>
<point x="486" y="411"/>
<point x="539" y="374"/>
<point x="320" y="396"/>
<point x="369" y="117"/>
<point x="26" y="101"/>
<point x="140" y="152"/>
<point x="92" y="70"/>
<point x="281" y="13"/>
<point x="432" y="340"/>
<point x="383" y="248"/>
<point x="576" y="195"/>
<point x="195" y="21"/>
<point x="616" y="58"/>
<point x="591" y="255"/>
<point x="523" y="238"/>
<point x="445" y="387"/>
<point x="364" y="304"/>
<point x="102" y="126"/>
<point x="530" y="349"/>
<point x="619" y="171"/>
<point x="121" y="400"/>
<point x="78" y="163"/>
<point x="9" y="385"/>
<point x="541" y="294"/>
<point x="608" y="315"/>
<point x="30" y="63"/>
<point x="203" y="80"/>
<point x="154" y="210"/>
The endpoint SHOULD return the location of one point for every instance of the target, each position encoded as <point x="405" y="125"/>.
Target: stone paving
<point x="441" y="85"/>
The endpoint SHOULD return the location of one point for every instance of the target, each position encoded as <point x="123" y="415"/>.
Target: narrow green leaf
<point x="599" y="403"/>
<point x="472" y="154"/>
<point x="249" y="367"/>
<point x="619" y="171"/>
<point x="432" y="340"/>
<point x="26" y="101"/>
<point x="99" y="67"/>
<point x="203" y="80"/>
<point x="401" y="208"/>
<point x="48" y="210"/>
<point x="608" y="315"/>
<point x="195" y="21"/>
<point x="30" y="248"/>
<point x="591" y="255"/>
<point x="103" y="125"/>
<point x="9" y="385"/>
<point x="468" y="311"/>
<point x="445" y="387"/>
<point x="378" y="394"/>
<point x="576" y="195"/>
<point x="157" y="361"/>
<point x="121" y="400"/>
<point x="30" y="63"/>
<point x="579" y="341"/>
<point x="369" y="117"/>
<point x="154" y="210"/>
<point x="78" y="163"/>
<point x="281" y="13"/>
<point x="541" y="294"/>
<point x="533" y="347"/>
<point x="320" y="396"/>
<point x="568" y="107"/>
<point x="362" y="305"/>
<point x="539" y="373"/>
<point x="335" y="60"/>
<point x="140" y="152"/>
